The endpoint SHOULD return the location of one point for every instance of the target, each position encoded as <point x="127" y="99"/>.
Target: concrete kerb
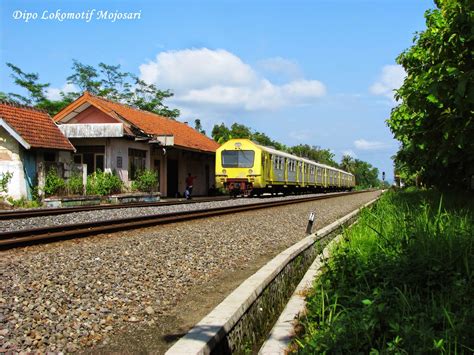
<point x="283" y="331"/>
<point x="206" y="334"/>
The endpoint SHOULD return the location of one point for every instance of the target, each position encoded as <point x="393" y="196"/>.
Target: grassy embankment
<point x="401" y="282"/>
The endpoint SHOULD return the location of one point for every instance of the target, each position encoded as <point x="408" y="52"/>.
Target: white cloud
<point x="55" y="93"/>
<point x="391" y="78"/>
<point x="349" y="152"/>
<point x="363" y="144"/>
<point x="197" y="69"/>
<point x="218" y="78"/>
<point x="282" y="66"/>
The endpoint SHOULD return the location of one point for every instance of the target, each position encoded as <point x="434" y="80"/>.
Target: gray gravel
<point x="115" y="214"/>
<point x="80" y="294"/>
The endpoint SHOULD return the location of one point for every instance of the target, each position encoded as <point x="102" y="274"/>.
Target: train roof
<point x="278" y="152"/>
<point x="291" y="156"/>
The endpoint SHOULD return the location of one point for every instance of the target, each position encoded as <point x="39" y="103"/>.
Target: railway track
<point x="41" y="212"/>
<point x="27" y="236"/>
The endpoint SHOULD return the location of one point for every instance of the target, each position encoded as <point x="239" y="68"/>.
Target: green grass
<point x="401" y="282"/>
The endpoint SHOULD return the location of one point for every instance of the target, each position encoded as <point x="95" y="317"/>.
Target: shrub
<point x="74" y="185"/>
<point x="146" y="181"/>
<point x="24" y="203"/>
<point x="103" y="183"/>
<point x="4" y="181"/>
<point x="54" y="184"/>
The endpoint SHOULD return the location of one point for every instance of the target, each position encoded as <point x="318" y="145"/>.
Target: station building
<point x="118" y="138"/>
<point x="29" y="140"/>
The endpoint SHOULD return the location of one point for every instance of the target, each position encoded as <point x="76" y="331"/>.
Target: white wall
<point x="10" y="162"/>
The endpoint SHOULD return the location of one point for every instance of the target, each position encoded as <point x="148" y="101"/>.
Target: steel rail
<point x="19" y="237"/>
<point x="52" y="211"/>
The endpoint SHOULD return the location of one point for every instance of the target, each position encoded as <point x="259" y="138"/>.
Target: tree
<point x="198" y="126"/>
<point x="435" y="120"/>
<point x="85" y="77"/>
<point x="365" y="174"/>
<point x="324" y="156"/>
<point x="220" y="133"/>
<point x="36" y="92"/>
<point x="347" y="163"/>
<point x="107" y="81"/>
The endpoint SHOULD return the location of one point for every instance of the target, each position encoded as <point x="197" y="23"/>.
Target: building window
<point x="119" y="163"/>
<point x="77" y="158"/>
<point x="49" y="156"/>
<point x="99" y="162"/>
<point x="91" y="155"/>
<point x="136" y="162"/>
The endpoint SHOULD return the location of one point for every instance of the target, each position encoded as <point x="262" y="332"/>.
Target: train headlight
<point x="250" y="171"/>
<point x="224" y="171"/>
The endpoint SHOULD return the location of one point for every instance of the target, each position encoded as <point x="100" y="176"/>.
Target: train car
<point x="246" y="168"/>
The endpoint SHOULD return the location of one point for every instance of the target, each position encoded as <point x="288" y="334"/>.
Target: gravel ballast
<point x="80" y="294"/>
<point x="117" y="214"/>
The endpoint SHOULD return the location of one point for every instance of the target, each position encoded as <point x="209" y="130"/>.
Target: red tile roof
<point x="150" y="123"/>
<point x="36" y="127"/>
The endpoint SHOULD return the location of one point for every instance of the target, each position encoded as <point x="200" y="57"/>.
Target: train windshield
<point x="238" y="158"/>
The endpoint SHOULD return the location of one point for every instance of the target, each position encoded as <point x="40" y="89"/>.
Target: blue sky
<point x="315" y="72"/>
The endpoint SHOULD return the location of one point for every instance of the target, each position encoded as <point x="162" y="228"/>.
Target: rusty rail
<point x="20" y="237"/>
<point x="53" y="211"/>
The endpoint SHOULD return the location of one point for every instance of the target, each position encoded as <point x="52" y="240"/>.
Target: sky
<point x="318" y="72"/>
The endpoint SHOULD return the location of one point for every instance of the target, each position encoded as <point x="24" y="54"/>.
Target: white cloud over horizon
<point x="55" y="93"/>
<point x="363" y="144"/>
<point x="218" y="78"/>
<point x="390" y="79"/>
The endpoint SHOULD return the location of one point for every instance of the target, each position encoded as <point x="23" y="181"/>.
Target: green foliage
<point x="24" y="203"/>
<point x="366" y="175"/>
<point x="54" y="184"/>
<point x="103" y="183"/>
<point x="5" y="179"/>
<point x="74" y="185"/>
<point x="324" y="156"/>
<point x="36" y="92"/>
<point x="434" y="121"/>
<point x="400" y="282"/>
<point x="146" y="181"/>
<point x="107" y="81"/>
<point x="221" y="134"/>
<point x="198" y="126"/>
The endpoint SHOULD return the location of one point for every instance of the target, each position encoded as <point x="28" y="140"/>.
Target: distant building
<point x="118" y="138"/>
<point x="29" y="138"/>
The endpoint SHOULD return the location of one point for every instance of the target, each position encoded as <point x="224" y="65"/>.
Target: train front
<point x="238" y="168"/>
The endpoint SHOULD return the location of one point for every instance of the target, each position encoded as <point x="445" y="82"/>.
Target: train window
<point x="238" y="158"/>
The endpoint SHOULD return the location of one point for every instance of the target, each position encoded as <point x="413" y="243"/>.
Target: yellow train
<point x="244" y="167"/>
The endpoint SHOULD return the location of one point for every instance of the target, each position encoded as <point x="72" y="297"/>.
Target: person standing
<point x="189" y="186"/>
